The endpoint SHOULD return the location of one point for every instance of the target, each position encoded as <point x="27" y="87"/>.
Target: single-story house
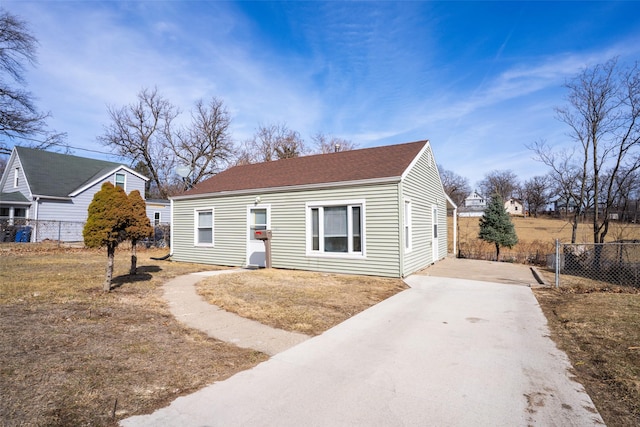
<point x="376" y="211"/>
<point x="51" y="192"/>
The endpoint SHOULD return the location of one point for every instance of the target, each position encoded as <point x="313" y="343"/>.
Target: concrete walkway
<point x="192" y="310"/>
<point x="447" y="352"/>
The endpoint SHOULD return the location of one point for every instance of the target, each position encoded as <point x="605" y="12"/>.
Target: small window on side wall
<point x="408" y="227"/>
<point x="203" y="227"/>
<point x="120" y="180"/>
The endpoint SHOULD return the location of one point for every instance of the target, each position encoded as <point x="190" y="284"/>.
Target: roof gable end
<point x="59" y="175"/>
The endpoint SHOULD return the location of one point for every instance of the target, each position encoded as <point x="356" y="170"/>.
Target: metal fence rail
<point x="616" y="263"/>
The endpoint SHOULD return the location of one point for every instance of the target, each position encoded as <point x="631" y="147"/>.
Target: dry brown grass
<point x="297" y="301"/>
<point x="536" y="235"/>
<point x="598" y="326"/>
<point x="73" y="355"/>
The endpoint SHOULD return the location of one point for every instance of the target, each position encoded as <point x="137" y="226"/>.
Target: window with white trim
<point x="120" y="180"/>
<point x="336" y="228"/>
<point x="408" y="244"/>
<point x="16" y="177"/>
<point x="204" y="227"/>
<point x="156" y="219"/>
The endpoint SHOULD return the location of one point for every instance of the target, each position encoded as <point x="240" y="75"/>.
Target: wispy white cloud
<point x="375" y="73"/>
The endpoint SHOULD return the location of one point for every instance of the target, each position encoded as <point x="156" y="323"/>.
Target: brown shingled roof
<point x="369" y="163"/>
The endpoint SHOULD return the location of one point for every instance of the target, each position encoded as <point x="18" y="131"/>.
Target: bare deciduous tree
<point x="206" y="145"/>
<point x="603" y="114"/>
<point x="324" y="144"/>
<point x="504" y="183"/>
<point x="567" y="181"/>
<point x="272" y="142"/>
<point x="457" y="187"/>
<point x="536" y="193"/>
<point x="141" y="132"/>
<point x="19" y="117"/>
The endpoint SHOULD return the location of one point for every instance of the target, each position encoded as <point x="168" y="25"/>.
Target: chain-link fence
<point x="20" y="230"/>
<point x="616" y="263"/>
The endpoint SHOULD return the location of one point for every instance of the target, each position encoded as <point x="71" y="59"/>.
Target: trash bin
<point x="26" y="235"/>
<point x="23" y="235"/>
<point x="19" y="232"/>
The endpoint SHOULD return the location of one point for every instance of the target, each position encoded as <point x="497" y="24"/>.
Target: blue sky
<point x="480" y="80"/>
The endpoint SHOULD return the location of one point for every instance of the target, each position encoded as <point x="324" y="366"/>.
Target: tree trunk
<point x="134" y="259"/>
<point x="109" y="273"/>
<point x="497" y="252"/>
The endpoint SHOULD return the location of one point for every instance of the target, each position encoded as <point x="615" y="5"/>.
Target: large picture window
<point x="204" y="227"/>
<point x="336" y="228"/>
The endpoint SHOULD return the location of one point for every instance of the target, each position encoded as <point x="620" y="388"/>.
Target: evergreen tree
<point x="109" y="214"/>
<point x="496" y="226"/>
<point x="138" y="227"/>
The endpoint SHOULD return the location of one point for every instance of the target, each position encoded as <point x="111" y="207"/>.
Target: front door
<point x="434" y="236"/>
<point x="258" y="219"/>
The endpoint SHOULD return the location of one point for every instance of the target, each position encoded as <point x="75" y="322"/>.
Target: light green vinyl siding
<point x="288" y="216"/>
<point x="423" y="187"/>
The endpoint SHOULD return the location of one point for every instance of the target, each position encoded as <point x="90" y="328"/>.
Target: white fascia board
<point x="386" y="180"/>
<point x="104" y="176"/>
<point x="5" y="174"/>
<point x="415" y="160"/>
<point x="41" y="196"/>
<point x="451" y="203"/>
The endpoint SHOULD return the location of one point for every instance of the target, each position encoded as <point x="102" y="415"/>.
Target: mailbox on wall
<point x="262" y="234"/>
<point x="265" y="236"/>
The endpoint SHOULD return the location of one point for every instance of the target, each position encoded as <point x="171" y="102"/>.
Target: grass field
<point x="535" y="236"/>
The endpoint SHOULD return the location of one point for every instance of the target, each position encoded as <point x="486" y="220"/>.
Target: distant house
<point x="514" y="207"/>
<point x="474" y="206"/>
<point x="562" y="205"/>
<point x="377" y="211"/>
<point x="51" y="192"/>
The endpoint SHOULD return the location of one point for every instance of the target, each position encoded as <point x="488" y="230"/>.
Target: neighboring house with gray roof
<point x="378" y="211"/>
<point x="47" y="190"/>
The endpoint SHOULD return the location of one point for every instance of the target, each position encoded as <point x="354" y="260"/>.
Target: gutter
<point x="321" y="185"/>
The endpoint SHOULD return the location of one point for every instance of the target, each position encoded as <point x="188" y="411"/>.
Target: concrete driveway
<point x="447" y="352"/>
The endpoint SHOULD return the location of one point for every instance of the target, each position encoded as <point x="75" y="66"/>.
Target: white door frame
<point x="255" y="247"/>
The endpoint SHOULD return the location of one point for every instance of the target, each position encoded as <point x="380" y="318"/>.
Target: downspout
<point x="455" y="232"/>
<point x="35" y="227"/>
<point x="172" y="228"/>
<point x="401" y="244"/>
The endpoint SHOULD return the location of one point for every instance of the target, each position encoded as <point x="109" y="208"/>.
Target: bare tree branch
<point x="141" y="132"/>
<point x="19" y="117"/>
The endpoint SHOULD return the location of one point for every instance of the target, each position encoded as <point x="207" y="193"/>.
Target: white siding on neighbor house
<point x="163" y="209"/>
<point x="423" y="187"/>
<point x="75" y="210"/>
<point x="288" y="224"/>
<point x="8" y="185"/>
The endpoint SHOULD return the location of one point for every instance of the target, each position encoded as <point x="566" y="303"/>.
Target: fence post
<point x="557" y="263"/>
